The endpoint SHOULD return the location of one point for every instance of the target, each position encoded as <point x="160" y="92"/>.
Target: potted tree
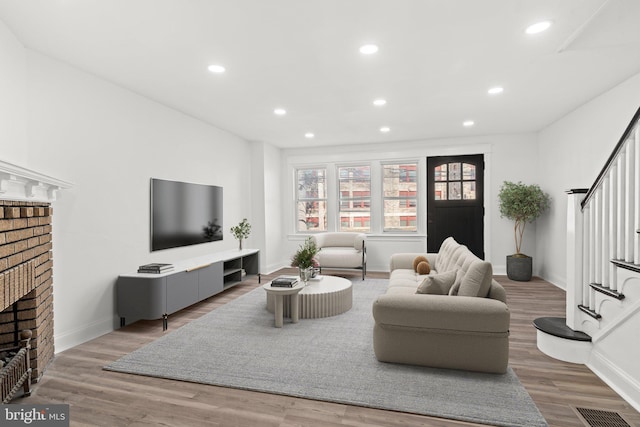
<point x="521" y="203"/>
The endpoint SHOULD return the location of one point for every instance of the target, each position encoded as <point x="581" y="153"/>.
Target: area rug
<point x="328" y="359"/>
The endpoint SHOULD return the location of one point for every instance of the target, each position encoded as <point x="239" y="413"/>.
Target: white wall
<point x="267" y="204"/>
<point x="13" y="117"/>
<point x="109" y="142"/>
<point x="507" y="157"/>
<point x="572" y="151"/>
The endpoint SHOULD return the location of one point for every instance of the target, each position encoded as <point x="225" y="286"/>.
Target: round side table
<point x="278" y="294"/>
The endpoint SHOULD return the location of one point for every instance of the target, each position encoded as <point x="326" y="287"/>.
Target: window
<point x="311" y="199"/>
<point x="455" y="181"/>
<point x="400" y="196"/>
<point x="355" y="198"/>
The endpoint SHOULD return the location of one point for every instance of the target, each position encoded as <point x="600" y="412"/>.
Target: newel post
<point x="575" y="241"/>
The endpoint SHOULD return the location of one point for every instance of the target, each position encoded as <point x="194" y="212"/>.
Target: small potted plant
<point x="522" y="204"/>
<point x="241" y="231"/>
<point x="304" y="259"/>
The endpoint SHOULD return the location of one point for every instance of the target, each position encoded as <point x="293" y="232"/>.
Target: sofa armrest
<point x="442" y="312"/>
<point x="405" y="260"/>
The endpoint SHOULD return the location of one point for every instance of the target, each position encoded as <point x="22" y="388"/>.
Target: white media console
<point x="151" y="296"/>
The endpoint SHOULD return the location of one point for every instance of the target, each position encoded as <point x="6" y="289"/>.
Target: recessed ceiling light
<point x="280" y="111"/>
<point x="468" y="123"/>
<point x="495" y="90"/>
<point x="368" y="49"/>
<point x="379" y="102"/>
<point x="309" y="135"/>
<point x="538" y="27"/>
<point x="218" y="69"/>
<point x="385" y="129"/>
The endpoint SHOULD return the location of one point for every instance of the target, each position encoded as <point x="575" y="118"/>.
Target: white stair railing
<point x="602" y="225"/>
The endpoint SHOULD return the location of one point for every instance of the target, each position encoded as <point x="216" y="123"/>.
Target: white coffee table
<point x="326" y="297"/>
<point x="276" y="295"/>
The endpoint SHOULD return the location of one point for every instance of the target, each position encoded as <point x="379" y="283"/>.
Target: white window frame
<point x="297" y="199"/>
<point x="418" y="197"/>
<point x="377" y="197"/>
<point x="338" y="217"/>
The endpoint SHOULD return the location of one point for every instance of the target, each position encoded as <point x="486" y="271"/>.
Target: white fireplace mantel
<point x="22" y="184"/>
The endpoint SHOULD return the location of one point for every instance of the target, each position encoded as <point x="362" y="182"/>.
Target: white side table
<point x="278" y="294"/>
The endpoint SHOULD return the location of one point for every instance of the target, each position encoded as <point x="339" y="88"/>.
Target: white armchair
<point x="342" y="250"/>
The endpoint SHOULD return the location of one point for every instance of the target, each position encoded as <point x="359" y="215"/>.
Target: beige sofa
<point x="342" y="250"/>
<point x="465" y="328"/>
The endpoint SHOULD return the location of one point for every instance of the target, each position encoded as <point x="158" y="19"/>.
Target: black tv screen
<point x="184" y="214"/>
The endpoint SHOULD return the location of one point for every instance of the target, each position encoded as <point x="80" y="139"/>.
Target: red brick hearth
<point x="26" y="278"/>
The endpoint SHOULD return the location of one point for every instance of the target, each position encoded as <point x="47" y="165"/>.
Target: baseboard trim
<point x="69" y="339"/>
<point x="616" y="378"/>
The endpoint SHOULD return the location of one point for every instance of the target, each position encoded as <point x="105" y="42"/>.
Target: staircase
<point x="602" y="324"/>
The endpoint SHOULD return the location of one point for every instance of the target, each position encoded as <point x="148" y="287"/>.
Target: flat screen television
<point x="184" y="214"/>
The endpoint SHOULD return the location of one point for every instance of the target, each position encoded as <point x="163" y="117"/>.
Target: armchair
<point x="341" y="250"/>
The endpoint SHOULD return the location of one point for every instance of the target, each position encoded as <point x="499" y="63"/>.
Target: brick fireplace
<point x="26" y="260"/>
<point x="26" y="278"/>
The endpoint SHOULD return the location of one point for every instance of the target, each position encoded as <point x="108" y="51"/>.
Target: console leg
<point x="259" y="277"/>
<point x="165" y="322"/>
<point x="122" y="322"/>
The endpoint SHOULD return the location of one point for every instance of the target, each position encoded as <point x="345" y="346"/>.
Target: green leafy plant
<point x="304" y="257"/>
<point x="241" y="231"/>
<point x="522" y="203"/>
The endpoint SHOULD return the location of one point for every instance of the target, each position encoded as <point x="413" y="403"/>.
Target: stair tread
<point x="607" y="291"/>
<point x="557" y="326"/>
<point x="626" y="265"/>
<point x="590" y="312"/>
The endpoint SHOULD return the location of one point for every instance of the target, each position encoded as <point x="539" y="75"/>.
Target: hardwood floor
<point x="102" y="398"/>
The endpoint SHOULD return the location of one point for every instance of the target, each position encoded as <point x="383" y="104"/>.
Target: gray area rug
<point x="327" y="359"/>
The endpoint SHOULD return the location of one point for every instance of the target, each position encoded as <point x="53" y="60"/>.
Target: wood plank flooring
<point x="102" y="398"/>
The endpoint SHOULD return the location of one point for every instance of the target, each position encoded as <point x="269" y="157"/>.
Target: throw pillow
<point x="423" y="268"/>
<point x="417" y="261"/>
<point x="456" y="284"/>
<point x="477" y="281"/>
<point x="437" y="284"/>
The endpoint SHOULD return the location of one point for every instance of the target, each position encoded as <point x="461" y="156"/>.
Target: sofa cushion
<point x="437" y="284"/>
<point x="477" y="280"/>
<point x="339" y="257"/>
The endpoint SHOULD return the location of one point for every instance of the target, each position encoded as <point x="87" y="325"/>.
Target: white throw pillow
<point x="437" y="284"/>
<point x="477" y="281"/>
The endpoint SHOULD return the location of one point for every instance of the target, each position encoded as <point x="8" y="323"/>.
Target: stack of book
<point x="284" y="282"/>
<point x="155" y="267"/>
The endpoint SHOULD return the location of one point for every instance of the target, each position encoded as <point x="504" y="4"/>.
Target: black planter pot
<point x="519" y="268"/>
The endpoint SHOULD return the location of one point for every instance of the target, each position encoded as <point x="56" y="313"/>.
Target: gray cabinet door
<point x="182" y="290"/>
<point x="210" y="280"/>
<point x="141" y="298"/>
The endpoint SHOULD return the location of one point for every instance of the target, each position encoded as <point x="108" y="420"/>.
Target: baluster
<point x="613" y="225"/>
<point x="604" y="227"/>
<point x="586" y="251"/>
<point x="622" y="190"/>
<point x="634" y="194"/>
<point x="628" y="224"/>
<point x="597" y="237"/>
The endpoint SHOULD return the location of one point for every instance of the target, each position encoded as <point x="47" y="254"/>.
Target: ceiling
<point x="436" y="61"/>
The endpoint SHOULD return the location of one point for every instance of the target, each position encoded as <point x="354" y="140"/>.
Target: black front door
<point x="455" y="201"/>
